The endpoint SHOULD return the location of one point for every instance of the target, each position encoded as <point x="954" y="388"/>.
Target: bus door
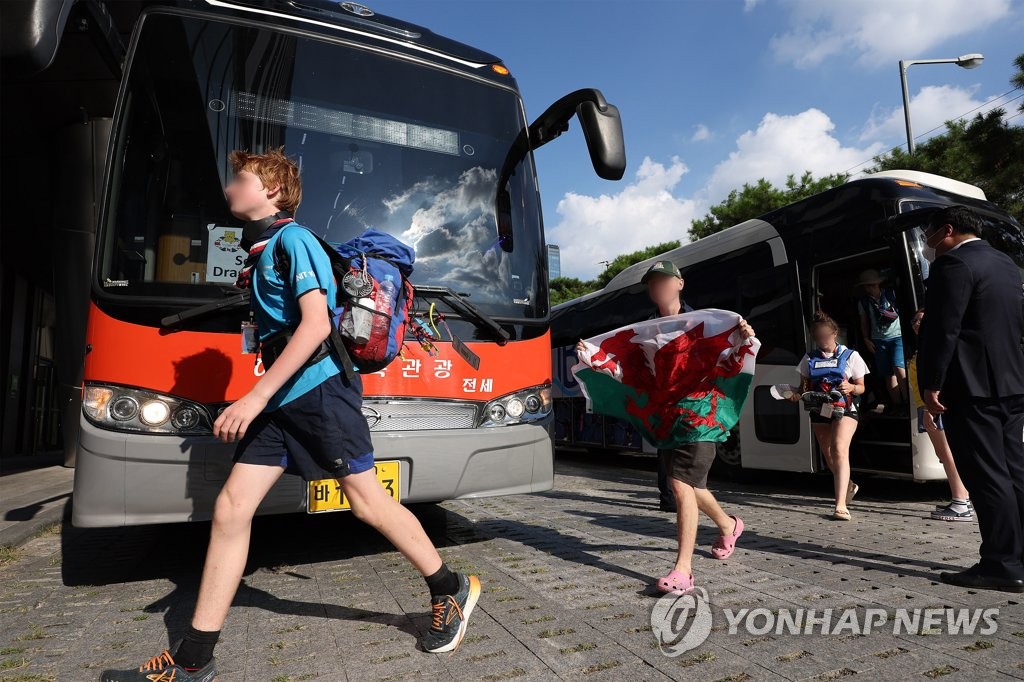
<point x="882" y="441"/>
<point x="773" y="434"/>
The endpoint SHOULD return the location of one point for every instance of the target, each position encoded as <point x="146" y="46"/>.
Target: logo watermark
<point x="681" y="623"/>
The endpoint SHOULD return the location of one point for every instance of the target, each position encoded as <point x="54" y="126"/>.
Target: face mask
<point x="928" y="253"/>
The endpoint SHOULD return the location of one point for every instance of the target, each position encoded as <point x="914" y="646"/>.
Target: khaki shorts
<point x="690" y="462"/>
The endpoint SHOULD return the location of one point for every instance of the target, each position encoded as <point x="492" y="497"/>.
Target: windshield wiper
<point x="465" y="309"/>
<point x="231" y="302"/>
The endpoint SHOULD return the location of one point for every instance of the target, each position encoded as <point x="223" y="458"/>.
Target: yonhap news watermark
<point x="683" y="622"/>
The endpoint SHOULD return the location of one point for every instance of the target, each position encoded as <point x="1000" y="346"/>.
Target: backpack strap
<point x="282" y="264"/>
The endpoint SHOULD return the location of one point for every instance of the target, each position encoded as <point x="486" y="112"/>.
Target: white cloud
<point x="879" y="31"/>
<point x="931" y="107"/>
<point x="784" y="145"/>
<point x="701" y="133"/>
<point x="750" y="4"/>
<point x="645" y="212"/>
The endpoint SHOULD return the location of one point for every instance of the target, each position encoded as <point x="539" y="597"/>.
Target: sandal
<point x="725" y="545"/>
<point x="841" y="514"/>
<point x="675" y="583"/>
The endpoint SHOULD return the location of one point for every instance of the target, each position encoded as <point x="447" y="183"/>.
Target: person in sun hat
<point x="883" y="336"/>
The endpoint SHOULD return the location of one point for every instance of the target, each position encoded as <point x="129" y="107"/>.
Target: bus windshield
<point x="381" y="141"/>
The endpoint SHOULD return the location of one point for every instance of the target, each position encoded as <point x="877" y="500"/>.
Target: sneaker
<point x="451" y="616"/>
<point x="950" y="514"/>
<point x="161" y="668"/>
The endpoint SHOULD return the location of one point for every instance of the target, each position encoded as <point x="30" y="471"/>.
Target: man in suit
<point x="971" y="371"/>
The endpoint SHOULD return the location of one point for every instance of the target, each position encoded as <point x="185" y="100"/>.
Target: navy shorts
<point x="320" y="434"/>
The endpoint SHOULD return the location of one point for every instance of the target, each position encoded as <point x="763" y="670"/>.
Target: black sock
<point x="444" y="581"/>
<point x="196" y="650"/>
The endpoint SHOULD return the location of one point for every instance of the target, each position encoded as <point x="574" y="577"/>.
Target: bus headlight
<point x="120" y="408"/>
<point x="521" y="407"/>
<point x="154" y="412"/>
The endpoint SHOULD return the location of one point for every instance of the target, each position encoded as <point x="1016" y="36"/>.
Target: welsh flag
<point x="677" y="379"/>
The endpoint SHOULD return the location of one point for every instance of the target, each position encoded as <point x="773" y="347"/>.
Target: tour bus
<point x="394" y="128"/>
<point x="777" y="270"/>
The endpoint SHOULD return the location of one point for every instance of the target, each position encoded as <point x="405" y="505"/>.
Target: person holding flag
<point x="681" y="378"/>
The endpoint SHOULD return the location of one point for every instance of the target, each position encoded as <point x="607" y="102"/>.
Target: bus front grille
<point x="419" y="415"/>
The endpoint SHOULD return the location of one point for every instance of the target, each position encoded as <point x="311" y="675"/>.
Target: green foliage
<point x="622" y="262"/>
<point x="751" y="201"/>
<point x="562" y="289"/>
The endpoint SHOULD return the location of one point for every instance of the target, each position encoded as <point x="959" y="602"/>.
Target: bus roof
<point x="935" y="181"/>
<point x="33" y="29"/>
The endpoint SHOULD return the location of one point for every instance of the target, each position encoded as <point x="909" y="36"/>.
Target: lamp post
<point x="967" y="61"/>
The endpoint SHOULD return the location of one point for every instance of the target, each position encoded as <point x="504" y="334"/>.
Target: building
<point x="554" y="262"/>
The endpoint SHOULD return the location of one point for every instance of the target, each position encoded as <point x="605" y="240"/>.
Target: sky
<point x="716" y="93"/>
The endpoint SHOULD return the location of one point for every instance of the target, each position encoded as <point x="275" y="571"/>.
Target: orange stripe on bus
<point x="209" y="367"/>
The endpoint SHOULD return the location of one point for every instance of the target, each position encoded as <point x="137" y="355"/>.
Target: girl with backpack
<point x="829" y="368"/>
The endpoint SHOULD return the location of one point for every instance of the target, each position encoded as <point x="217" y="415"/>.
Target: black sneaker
<point x="451" y="616"/>
<point x="950" y="514"/>
<point x="161" y="668"/>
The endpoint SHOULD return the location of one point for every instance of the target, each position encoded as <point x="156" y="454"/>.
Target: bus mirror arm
<point x="231" y="302"/>
<point x="898" y="224"/>
<point x="602" y="129"/>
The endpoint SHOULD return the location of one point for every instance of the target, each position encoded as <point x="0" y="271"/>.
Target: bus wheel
<point x="728" y="462"/>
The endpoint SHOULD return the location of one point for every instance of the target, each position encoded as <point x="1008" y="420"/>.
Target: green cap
<point x="662" y="267"/>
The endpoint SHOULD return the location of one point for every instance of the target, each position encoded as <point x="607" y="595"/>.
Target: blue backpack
<point x="372" y="275"/>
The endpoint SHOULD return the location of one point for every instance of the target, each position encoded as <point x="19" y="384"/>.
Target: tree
<point x="562" y="289"/>
<point x="620" y="263"/>
<point x="754" y="200"/>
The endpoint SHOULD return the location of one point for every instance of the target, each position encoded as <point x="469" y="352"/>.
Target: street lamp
<point x="967" y="61"/>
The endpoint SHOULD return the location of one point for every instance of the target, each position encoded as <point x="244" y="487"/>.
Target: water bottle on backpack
<point x="383" y="300"/>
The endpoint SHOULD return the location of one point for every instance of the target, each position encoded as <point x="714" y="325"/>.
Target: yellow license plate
<point x="325" y="495"/>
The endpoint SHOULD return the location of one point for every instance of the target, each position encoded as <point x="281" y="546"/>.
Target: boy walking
<point x="303" y="417"/>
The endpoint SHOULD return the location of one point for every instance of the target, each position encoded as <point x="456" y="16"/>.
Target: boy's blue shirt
<point x="276" y="304"/>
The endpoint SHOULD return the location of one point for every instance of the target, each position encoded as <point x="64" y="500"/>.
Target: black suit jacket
<point x="971" y="335"/>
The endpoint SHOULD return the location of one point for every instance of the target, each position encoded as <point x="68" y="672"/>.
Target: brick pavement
<point x="566" y="593"/>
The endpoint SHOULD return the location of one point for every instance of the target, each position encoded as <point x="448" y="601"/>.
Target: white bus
<point x="777" y="270"/>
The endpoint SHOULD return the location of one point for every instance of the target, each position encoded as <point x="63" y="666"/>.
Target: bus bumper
<point x="124" y="479"/>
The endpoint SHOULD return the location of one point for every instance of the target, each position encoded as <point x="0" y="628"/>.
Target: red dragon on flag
<point x="677" y="379"/>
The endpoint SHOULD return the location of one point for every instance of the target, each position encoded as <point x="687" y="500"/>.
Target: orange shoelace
<point x="437" y="619"/>
<point x="164" y="660"/>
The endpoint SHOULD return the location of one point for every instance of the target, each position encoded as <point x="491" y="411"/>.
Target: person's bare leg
<point x="901" y="385"/>
<point x="823" y="434"/>
<point x="842" y="434"/>
<point x="372" y="505"/>
<point x="956" y="486"/>
<point x="707" y="503"/>
<point x="686" y="522"/>
<point x="236" y="504"/>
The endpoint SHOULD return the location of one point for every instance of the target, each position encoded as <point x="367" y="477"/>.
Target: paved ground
<point x="32" y="494"/>
<point x="566" y="594"/>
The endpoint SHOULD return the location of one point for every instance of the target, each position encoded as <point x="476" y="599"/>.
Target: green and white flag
<point x="677" y="379"/>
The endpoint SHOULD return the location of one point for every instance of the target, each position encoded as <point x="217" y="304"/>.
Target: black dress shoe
<point x="980" y="581"/>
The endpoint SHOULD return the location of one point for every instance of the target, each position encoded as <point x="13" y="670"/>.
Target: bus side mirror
<point x="603" y="131"/>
